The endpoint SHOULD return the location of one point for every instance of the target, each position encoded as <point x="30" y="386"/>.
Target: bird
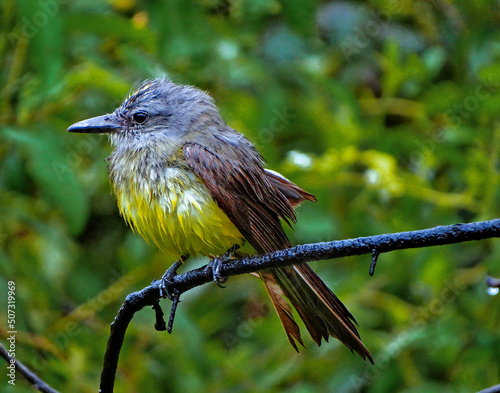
<point x="193" y="186"/>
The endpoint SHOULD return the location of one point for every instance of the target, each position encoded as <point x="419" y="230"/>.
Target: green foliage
<point x="386" y="111"/>
<point x="45" y="164"/>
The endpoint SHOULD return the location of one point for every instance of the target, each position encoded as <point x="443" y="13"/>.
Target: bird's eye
<point x="140" y="117"/>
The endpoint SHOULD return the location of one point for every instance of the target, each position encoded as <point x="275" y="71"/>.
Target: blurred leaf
<point x="42" y="24"/>
<point x="110" y="26"/>
<point x="52" y="174"/>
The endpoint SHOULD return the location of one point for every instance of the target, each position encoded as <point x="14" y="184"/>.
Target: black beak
<point x="96" y="125"/>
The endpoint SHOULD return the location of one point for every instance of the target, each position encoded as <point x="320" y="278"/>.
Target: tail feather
<point x="282" y="307"/>
<point x="323" y="313"/>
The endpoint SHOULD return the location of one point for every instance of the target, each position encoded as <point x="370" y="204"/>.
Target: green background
<point x="386" y="111"/>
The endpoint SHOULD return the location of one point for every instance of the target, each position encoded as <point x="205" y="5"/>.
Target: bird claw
<point x="167" y="281"/>
<point x="215" y="265"/>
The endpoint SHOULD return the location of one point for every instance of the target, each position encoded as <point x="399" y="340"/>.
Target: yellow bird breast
<point x="176" y="212"/>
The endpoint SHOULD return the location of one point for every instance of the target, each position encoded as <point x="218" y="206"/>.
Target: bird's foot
<point x="167" y="289"/>
<point x="215" y="265"/>
<point x="168" y="280"/>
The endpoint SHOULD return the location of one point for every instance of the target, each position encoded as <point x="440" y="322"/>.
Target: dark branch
<point x="134" y="302"/>
<point x="175" y="303"/>
<point x="160" y="322"/>
<point x="30" y="376"/>
<point x="374" y="245"/>
<point x="375" y="255"/>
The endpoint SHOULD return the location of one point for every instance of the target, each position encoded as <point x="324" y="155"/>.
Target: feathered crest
<point x="144" y="88"/>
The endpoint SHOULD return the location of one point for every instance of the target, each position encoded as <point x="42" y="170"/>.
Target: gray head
<point x="156" y="109"/>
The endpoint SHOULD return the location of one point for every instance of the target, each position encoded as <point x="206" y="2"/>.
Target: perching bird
<point x="192" y="185"/>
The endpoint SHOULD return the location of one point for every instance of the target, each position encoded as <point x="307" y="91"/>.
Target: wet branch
<point x="374" y="245"/>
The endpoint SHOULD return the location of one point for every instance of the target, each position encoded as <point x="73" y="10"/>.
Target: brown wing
<point x="254" y="200"/>
<point x="244" y="192"/>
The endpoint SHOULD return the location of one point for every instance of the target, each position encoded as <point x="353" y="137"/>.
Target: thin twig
<point x="440" y="235"/>
<point x="160" y="324"/>
<point x="175" y="303"/>
<point x="29" y="375"/>
<point x="375" y="255"/>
